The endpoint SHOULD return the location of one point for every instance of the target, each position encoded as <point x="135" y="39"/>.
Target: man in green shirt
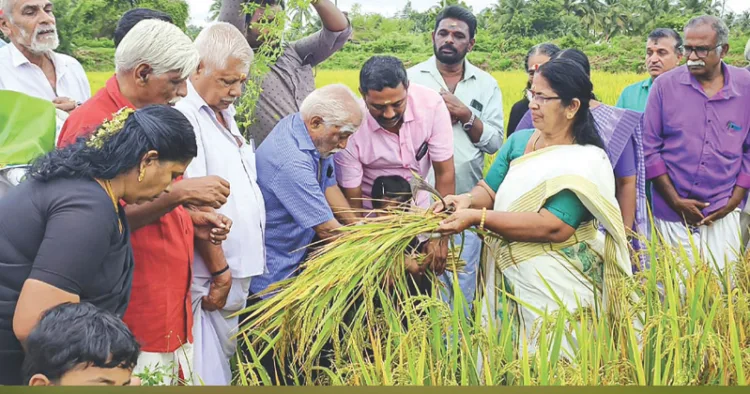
<point x="663" y="53"/>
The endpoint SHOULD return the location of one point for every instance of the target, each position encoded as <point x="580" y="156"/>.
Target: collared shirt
<point x="293" y="178"/>
<point x="224" y="152"/>
<point x="18" y="74"/>
<point x="702" y="143"/>
<point x="635" y="96"/>
<point x="373" y="151"/>
<point x="479" y="91"/>
<point x="291" y="78"/>
<point x="160" y="312"/>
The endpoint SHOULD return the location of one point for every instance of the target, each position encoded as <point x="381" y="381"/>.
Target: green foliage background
<point x="611" y="32"/>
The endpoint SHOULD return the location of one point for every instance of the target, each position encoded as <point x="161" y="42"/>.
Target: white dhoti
<point x="213" y="332"/>
<point x="718" y="244"/>
<point x="745" y="224"/>
<point x="171" y="364"/>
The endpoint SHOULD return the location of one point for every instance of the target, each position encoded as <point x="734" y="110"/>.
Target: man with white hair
<point x="223" y="151"/>
<point x="153" y="62"/>
<point x="696" y="143"/>
<point x="29" y="64"/>
<point x="297" y="177"/>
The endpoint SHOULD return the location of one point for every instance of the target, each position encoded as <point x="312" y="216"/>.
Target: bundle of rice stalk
<point x="340" y="284"/>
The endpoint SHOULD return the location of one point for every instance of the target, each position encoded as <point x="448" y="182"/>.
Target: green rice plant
<point x="343" y="289"/>
<point x="693" y="332"/>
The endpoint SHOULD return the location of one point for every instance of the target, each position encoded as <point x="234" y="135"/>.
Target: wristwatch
<point x="468" y="125"/>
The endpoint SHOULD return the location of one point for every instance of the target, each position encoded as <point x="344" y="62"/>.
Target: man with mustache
<point x="224" y="152"/>
<point x="407" y="129"/>
<point x="697" y="146"/>
<point x="29" y="64"/>
<point x="152" y="64"/>
<point x="663" y="53"/>
<point x="291" y="77"/>
<point x="475" y="103"/>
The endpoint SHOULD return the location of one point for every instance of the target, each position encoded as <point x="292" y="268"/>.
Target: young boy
<point x="80" y="345"/>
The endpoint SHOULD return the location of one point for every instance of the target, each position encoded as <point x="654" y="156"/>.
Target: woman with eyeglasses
<point x="537" y="55"/>
<point x="541" y="203"/>
<point x="621" y="131"/>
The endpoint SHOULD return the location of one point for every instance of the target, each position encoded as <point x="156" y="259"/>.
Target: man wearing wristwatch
<point x="475" y="104"/>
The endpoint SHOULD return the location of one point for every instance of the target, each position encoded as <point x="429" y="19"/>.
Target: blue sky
<point x="199" y="8"/>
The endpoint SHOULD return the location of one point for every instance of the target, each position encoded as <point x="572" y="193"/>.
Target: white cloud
<point x="199" y="11"/>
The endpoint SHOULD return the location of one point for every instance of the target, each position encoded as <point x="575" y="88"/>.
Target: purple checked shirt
<point x="701" y="143"/>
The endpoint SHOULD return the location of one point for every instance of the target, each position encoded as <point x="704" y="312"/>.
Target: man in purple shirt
<point x="696" y="146"/>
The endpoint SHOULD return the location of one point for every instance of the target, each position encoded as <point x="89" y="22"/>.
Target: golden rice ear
<point x="417" y="184"/>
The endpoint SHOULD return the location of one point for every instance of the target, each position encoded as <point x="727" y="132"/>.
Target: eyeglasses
<point x="701" y="52"/>
<point x="535" y="97"/>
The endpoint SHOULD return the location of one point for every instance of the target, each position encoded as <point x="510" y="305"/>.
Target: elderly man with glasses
<point x="697" y="147"/>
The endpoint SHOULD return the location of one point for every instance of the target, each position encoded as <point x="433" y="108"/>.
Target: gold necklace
<point x="107" y="185"/>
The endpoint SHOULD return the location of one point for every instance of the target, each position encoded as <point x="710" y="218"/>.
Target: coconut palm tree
<point x="590" y="13"/>
<point x="615" y="18"/>
<point x="507" y="10"/>
<point x="700" y="7"/>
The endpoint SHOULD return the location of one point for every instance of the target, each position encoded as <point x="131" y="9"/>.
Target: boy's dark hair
<point x="392" y="187"/>
<point x="69" y="335"/>
<point x="460" y="13"/>
<point x="132" y="17"/>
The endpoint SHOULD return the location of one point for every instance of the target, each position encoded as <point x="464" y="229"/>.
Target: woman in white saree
<point x="546" y="194"/>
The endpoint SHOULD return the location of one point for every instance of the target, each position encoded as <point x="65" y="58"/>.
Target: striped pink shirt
<point x="373" y="151"/>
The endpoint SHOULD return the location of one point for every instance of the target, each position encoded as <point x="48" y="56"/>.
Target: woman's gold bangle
<point x="484" y="216"/>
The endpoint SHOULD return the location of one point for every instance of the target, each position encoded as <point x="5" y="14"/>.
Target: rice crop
<point x="694" y="325"/>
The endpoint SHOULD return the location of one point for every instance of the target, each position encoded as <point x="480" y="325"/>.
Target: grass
<point x="606" y="86"/>
<point x="693" y="326"/>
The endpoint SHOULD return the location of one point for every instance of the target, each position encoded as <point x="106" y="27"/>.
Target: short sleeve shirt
<point x="373" y="151"/>
<point x="64" y="233"/>
<point x="20" y="75"/>
<point x="293" y="178"/>
<point x="565" y="205"/>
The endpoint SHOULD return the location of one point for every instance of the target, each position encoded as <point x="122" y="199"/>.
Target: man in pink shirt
<point x="407" y="128"/>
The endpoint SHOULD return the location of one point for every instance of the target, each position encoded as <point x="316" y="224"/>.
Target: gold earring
<point x="142" y="174"/>
<point x="570" y="116"/>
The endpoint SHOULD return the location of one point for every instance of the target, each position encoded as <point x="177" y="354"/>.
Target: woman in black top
<point x="537" y="55"/>
<point x="64" y="236"/>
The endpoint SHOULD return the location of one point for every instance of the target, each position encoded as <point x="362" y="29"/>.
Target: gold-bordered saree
<point x="585" y="269"/>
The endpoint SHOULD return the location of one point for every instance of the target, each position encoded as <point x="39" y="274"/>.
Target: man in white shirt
<point x="28" y="64"/>
<point x="475" y="103"/>
<point x="224" y="152"/>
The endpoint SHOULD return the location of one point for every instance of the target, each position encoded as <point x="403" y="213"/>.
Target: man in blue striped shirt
<point x="298" y="181"/>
